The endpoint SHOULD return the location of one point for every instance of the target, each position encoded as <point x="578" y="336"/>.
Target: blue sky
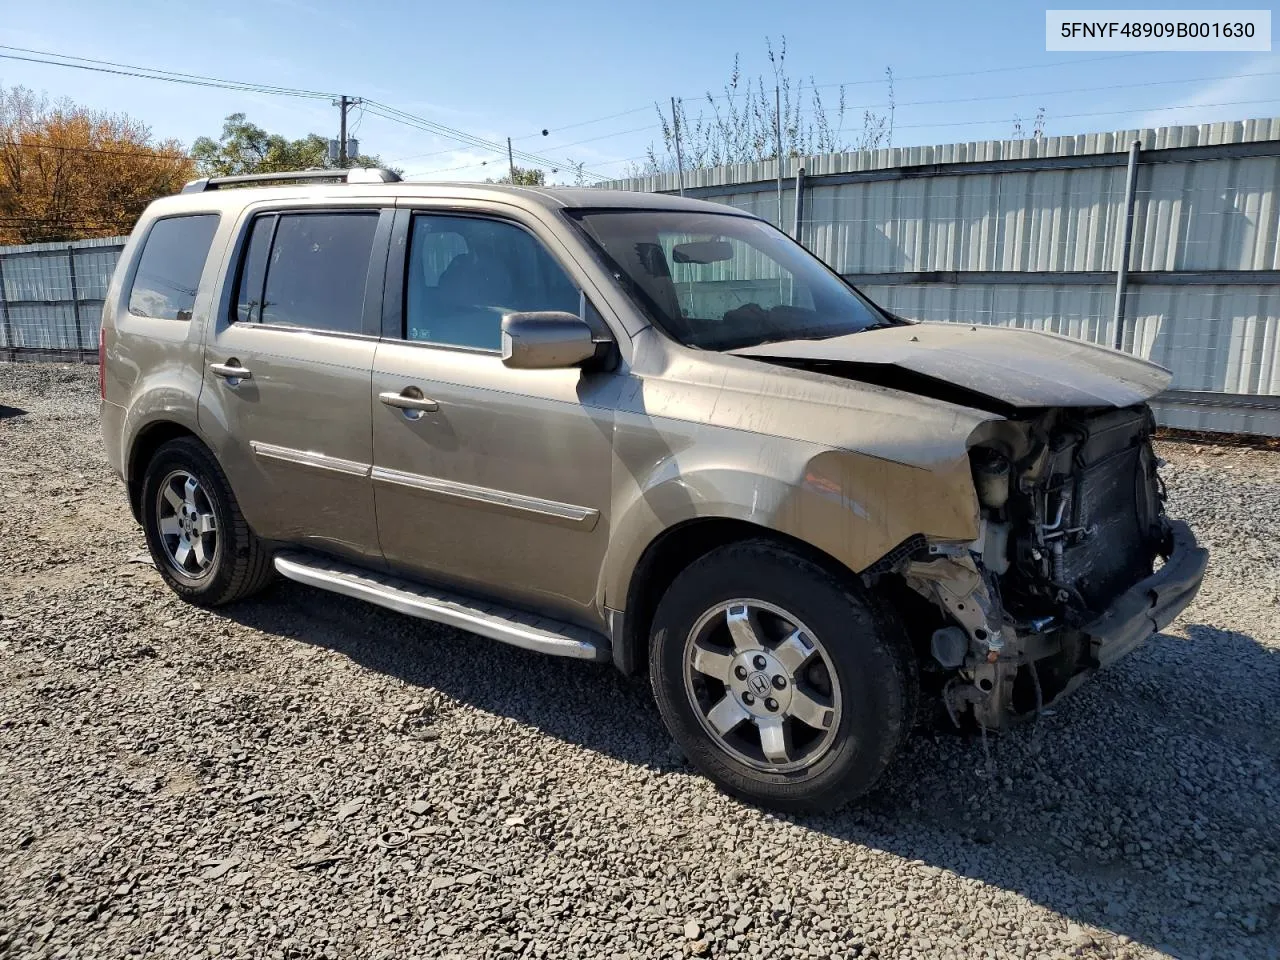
<point x="499" y="68"/>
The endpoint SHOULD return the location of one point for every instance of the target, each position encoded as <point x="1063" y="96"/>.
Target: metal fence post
<point x="4" y="317"/>
<point x="1126" y="242"/>
<point x="777" y="131"/>
<point x="75" y="301"/>
<point x="675" y="125"/>
<point x="795" y="233"/>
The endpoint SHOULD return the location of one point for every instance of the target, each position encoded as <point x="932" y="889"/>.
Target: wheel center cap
<point x="760" y="682"/>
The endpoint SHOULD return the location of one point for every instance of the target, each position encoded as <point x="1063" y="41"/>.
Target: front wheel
<point x="784" y="684"/>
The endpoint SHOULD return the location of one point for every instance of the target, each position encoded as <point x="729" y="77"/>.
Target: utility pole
<point x="342" y="131"/>
<point x="344" y="104"/>
<point x="511" y="163"/>
<point x="675" y="123"/>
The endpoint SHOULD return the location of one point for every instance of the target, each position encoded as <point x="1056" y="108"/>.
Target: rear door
<point x="498" y="483"/>
<point x="287" y="374"/>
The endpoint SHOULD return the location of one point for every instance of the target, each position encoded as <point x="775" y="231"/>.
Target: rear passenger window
<point x="169" y="268"/>
<point x="464" y="273"/>
<point x="307" y="270"/>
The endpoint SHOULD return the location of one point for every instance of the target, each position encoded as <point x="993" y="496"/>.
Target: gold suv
<point x="639" y="429"/>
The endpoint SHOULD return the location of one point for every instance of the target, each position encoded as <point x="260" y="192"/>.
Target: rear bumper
<point x="1151" y="604"/>
<point x="111" y="416"/>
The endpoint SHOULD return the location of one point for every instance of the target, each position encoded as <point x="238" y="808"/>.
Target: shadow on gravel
<point x="1147" y="805"/>
<point x="8" y="412"/>
<point x="1121" y="811"/>
<point x="588" y="704"/>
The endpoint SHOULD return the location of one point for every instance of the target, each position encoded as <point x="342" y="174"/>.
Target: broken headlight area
<point x="1072" y="517"/>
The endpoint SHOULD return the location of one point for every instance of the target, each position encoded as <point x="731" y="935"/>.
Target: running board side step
<point x="491" y="620"/>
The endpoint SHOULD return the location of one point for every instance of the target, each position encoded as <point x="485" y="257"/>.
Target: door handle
<point x="410" y="400"/>
<point x="231" y="371"/>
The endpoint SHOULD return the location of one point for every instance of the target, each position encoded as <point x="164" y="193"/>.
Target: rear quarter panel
<point x="154" y="367"/>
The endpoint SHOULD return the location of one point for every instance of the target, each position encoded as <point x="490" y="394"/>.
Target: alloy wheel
<point x="762" y="685"/>
<point x="187" y="524"/>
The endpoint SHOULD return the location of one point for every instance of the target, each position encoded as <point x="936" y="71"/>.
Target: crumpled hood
<point x="1018" y="368"/>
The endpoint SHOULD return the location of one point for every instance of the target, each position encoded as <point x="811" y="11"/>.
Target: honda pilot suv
<point x="644" y="430"/>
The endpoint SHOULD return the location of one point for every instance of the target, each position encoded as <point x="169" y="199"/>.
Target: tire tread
<point x="249" y="558"/>
<point x="888" y="644"/>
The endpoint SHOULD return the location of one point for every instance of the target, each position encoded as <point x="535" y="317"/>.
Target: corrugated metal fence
<point x="1029" y="233"/>
<point x="1025" y="233"/>
<point x="51" y="298"/>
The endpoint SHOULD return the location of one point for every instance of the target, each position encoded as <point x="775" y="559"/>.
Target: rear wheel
<point x="198" y="538"/>
<point x="786" y="685"/>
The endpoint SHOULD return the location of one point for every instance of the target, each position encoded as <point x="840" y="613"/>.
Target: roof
<point x="554" y="198"/>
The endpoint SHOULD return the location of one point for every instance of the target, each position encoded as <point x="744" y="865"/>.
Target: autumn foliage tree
<point x="68" y="173"/>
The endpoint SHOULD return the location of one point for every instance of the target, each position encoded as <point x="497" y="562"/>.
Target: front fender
<point x="853" y="507"/>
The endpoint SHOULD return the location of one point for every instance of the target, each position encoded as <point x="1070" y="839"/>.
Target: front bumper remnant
<point x="1151" y="604"/>
<point x="1060" y="660"/>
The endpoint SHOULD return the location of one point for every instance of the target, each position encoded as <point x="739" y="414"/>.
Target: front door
<point x="492" y="480"/>
<point x="287" y="371"/>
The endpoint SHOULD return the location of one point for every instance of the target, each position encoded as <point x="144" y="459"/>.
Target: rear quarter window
<point x="170" y="265"/>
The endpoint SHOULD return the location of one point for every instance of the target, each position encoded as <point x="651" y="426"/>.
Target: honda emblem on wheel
<point x="759" y="684"/>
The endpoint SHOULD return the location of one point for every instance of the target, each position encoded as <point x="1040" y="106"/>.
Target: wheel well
<point x="669" y="554"/>
<point x="151" y="439"/>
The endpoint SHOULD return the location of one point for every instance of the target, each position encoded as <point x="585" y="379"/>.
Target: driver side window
<point x="464" y="273"/>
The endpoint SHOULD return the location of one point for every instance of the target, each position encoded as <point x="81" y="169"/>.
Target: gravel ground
<point x="307" y="776"/>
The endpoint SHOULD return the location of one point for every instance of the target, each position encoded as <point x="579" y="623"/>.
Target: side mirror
<point x="545" y="340"/>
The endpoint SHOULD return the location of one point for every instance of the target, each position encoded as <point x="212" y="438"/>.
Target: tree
<point x="525" y="177"/>
<point x="67" y="172"/>
<point x="740" y="125"/>
<point x="245" y="147"/>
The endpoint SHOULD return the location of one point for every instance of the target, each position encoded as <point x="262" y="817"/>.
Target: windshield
<point x="720" y="281"/>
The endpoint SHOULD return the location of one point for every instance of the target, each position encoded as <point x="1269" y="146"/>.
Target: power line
<point x="428" y="173"/>
<point x="975" y="73"/>
<point x="152" y="73"/>
<point x="1050" y="116"/>
<point x="149" y="73"/>
<point x="855" y="83"/>
<point x="929" y="76"/>
<point x="606" y="136"/>
<point x="558" y="146"/>
<point x="1009" y="96"/>
<point x="396" y="115"/>
<point x="1054" y="93"/>
<point x="1096" y="113"/>
<point x="583" y="123"/>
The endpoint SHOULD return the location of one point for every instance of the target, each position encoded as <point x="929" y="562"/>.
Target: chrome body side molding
<point x="309" y="458"/>
<point x="535" y="508"/>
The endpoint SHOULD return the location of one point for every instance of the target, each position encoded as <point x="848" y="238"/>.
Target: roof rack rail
<point x="352" y="175"/>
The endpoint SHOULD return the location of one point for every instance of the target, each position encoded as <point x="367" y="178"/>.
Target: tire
<point x="224" y="561"/>
<point x="865" y="691"/>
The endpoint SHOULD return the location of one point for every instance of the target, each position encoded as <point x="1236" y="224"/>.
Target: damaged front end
<point x="1075" y="564"/>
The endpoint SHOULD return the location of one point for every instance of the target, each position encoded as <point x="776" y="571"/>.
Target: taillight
<point x="102" y="364"/>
